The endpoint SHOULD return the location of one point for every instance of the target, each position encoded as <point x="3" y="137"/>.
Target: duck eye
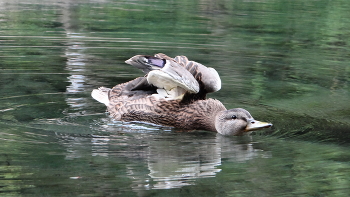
<point x="234" y="117"/>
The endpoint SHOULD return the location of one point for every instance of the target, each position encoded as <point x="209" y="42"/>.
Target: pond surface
<point x="287" y="62"/>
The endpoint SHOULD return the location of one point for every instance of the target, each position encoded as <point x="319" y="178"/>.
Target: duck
<point x="173" y="93"/>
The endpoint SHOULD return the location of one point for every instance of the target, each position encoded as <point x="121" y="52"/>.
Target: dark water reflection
<point x="286" y="62"/>
<point x="134" y="159"/>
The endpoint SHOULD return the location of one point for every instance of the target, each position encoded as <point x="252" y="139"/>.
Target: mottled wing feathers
<point x="165" y="74"/>
<point x="206" y="76"/>
<point x="173" y="75"/>
<point x="146" y="63"/>
<point x="163" y="69"/>
<point x="163" y="56"/>
<point x="129" y="89"/>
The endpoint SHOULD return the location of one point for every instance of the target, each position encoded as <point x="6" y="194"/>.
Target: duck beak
<point x="256" y="125"/>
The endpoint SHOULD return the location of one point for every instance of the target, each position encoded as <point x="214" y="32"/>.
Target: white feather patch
<point x="101" y="95"/>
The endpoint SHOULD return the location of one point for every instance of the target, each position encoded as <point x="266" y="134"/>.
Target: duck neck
<point x="212" y="109"/>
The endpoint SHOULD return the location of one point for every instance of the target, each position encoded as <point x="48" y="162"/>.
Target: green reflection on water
<point x="39" y="162"/>
<point x="286" y="62"/>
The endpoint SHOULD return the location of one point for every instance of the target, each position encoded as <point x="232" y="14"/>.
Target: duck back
<point x="127" y="104"/>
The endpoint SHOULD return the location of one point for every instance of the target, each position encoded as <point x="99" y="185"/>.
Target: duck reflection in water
<point x="173" y="93"/>
<point x="168" y="163"/>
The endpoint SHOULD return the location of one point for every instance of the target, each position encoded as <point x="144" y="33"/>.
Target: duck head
<point x="237" y="121"/>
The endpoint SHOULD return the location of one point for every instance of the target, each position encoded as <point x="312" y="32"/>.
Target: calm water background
<point x="286" y="62"/>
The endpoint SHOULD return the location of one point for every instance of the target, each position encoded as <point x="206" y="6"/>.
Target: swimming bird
<point x="173" y="93"/>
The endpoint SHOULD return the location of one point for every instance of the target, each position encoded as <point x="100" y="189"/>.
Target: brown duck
<point x="173" y="93"/>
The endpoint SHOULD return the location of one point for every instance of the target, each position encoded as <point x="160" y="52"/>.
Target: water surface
<point x="285" y="62"/>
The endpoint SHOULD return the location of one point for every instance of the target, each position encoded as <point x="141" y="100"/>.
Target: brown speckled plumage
<point x="137" y="100"/>
<point x="128" y="106"/>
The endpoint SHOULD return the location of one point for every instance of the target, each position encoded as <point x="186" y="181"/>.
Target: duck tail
<point x="101" y="95"/>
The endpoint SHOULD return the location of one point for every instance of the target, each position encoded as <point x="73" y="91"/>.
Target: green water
<point x="287" y="62"/>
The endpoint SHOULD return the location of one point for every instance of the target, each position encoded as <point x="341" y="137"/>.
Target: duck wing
<point x="207" y="77"/>
<point x="172" y="79"/>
